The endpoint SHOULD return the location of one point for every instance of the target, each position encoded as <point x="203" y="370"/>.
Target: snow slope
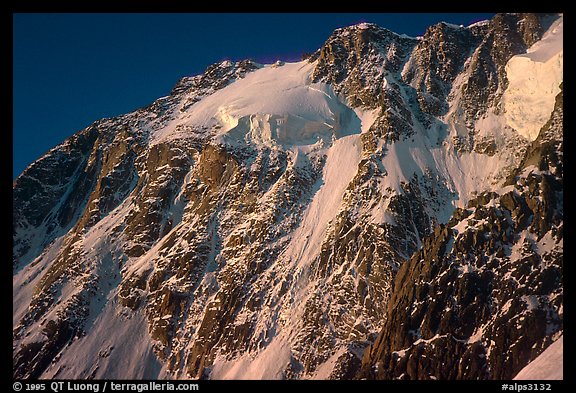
<point x="534" y="83"/>
<point x="268" y="364"/>
<point x="341" y="166"/>
<point x="548" y="366"/>
<point x="104" y="353"/>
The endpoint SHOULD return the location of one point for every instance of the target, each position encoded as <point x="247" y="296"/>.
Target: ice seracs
<point x="275" y="105"/>
<point x="534" y="81"/>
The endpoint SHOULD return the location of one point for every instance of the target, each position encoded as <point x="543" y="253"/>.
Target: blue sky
<point x="73" y="69"/>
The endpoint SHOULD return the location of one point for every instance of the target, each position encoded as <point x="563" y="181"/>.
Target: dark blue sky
<point x="73" y="69"/>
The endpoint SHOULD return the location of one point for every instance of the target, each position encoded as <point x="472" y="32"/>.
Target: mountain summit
<point x="390" y="207"/>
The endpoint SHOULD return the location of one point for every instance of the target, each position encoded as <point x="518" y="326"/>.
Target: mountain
<point x="390" y="207"/>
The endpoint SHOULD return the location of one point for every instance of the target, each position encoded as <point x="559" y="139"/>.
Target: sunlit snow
<point x="534" y="79"/>
<point x="549" y="365"/>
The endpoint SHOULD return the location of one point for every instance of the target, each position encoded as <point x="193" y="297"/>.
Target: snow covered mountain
<point x="390" y="207"/>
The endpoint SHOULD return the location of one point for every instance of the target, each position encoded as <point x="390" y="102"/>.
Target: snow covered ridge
<point x="370" y="26"/>
<point x="479" y="24"/>
<point x="255" y="222"/>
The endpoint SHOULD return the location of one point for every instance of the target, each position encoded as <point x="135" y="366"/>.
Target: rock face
<point x="416" y="236"/>
<point x="483" y="296"/>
